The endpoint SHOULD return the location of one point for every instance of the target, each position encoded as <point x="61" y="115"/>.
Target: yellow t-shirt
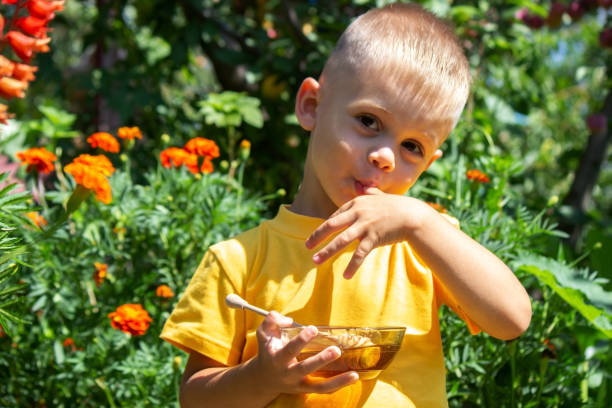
<point x="270" y="267"/>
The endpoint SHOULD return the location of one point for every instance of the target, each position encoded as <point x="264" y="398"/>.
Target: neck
<point x="310" y="199"/>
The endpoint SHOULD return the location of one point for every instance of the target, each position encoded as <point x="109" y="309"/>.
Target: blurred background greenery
<point x="228" y="71"/>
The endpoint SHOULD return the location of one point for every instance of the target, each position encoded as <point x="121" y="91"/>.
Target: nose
<point x="383" y="158"/>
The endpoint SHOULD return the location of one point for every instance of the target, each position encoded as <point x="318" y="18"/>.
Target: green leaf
<point x="58" y="117"/>
<point x="571" y="286"/>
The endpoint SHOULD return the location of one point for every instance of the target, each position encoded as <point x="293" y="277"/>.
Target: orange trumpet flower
<point x="24" y="72"/>
<point x="45" y="9"/>
<point x="25" y="46"/>
<point x="4" y="115"/>
<point x="10" y="87"/>
<point x="32" y="25"/>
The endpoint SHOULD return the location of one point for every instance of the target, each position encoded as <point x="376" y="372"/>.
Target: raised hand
<point x="277" y="361"/>
<point x="374" y="220"/>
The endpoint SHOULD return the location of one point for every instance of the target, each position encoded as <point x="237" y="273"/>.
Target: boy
<point x="388" y="97"/>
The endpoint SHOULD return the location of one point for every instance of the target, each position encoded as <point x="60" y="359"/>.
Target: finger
<point x="336" y="245"/>
<point x="363" y="249"/>
<point x="331" y="384"/>
<point x="271" y="324"/>
<point x="319" y="360"/>
<point x="331" y="225"/>
<point x="296" y="344"/>
<point x="373" y="191"/>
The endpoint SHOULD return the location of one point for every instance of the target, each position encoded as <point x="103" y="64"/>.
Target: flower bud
<point x="553" y="200"/>
<point x="245" y="149"/>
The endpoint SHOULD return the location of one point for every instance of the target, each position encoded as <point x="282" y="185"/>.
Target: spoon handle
<point x="236" y="302"/>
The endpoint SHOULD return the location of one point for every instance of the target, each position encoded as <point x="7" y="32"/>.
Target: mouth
<point x="362" y="187"/>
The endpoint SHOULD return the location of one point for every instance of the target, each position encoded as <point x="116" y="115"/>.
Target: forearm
<point x="226" y="387"/>
<point x="485" y="288"/>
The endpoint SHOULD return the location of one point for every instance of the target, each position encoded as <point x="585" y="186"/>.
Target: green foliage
<point x="151" y="234"/>
<point x="12" y="209"/>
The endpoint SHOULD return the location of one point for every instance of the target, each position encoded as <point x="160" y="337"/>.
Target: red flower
<point x="45" y="9"/>
<point x="10" y="87"/>
<point x="9" y="1"/>
<point x="130" y="318"/>
<point x="477" y="175"/>
<point x="39" y="158"/>
<point x="33" y="26"/>
<point x="25" y="46"/>
<point x="104" y="141"/>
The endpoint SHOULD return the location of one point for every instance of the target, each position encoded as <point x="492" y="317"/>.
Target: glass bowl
<point x="366" y="350"/>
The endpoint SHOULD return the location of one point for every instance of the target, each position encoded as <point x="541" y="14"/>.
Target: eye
<point x="368" y="121"/>
<point x="412" y="147"/>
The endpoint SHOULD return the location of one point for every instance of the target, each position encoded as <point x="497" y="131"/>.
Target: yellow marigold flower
<point x="39" y="158"/>
<point x="104" y="141"/>
<point x="203" y="147"/>
<point x="91" y="172"/>
<point x="100" y="274"/>
<point x="477" y="175"/>
<point x="164" y="291"/>
<point x="130" y="318"/>
<point x="129" y="133"/>
<point x="175" y="156"/>
<point x="37" y="219"/>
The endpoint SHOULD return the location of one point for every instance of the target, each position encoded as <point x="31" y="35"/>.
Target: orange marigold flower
<point x="91" y="172"/>
<point x="100" y="274"/>
<point x="129" y="133"/>
<point x="101" y="162"/>
<point x="207" y="166"/>
<point x="39" y="158"/>
<point x="175" y="156"/>
<point x="130" y="318"/>
<point x="203" y="147"/>
<point x="104" y="141"/>
<point x="164" y="291"/>
<point x="68" y="342"/>
<point x="437" y="207"/>
<point x="25" y="46"/>
<point x="477" y="175"/>
<point x="37" y="219"/>
<point x="12" y="88"/>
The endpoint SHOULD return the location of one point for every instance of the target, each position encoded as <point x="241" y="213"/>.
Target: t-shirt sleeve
<point x="201" y="321"/>
<point x="444" y="296"/>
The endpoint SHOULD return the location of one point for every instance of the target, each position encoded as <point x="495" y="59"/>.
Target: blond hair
<point x="408" y="44"/>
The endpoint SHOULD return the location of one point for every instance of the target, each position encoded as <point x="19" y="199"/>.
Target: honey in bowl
<point x="366" y="351"/>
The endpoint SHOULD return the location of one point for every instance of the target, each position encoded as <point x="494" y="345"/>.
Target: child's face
<point x="362" y="136"/>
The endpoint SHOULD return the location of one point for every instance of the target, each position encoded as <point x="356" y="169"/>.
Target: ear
<point x="437" y="154"/>
<point x="306" y="103"/>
